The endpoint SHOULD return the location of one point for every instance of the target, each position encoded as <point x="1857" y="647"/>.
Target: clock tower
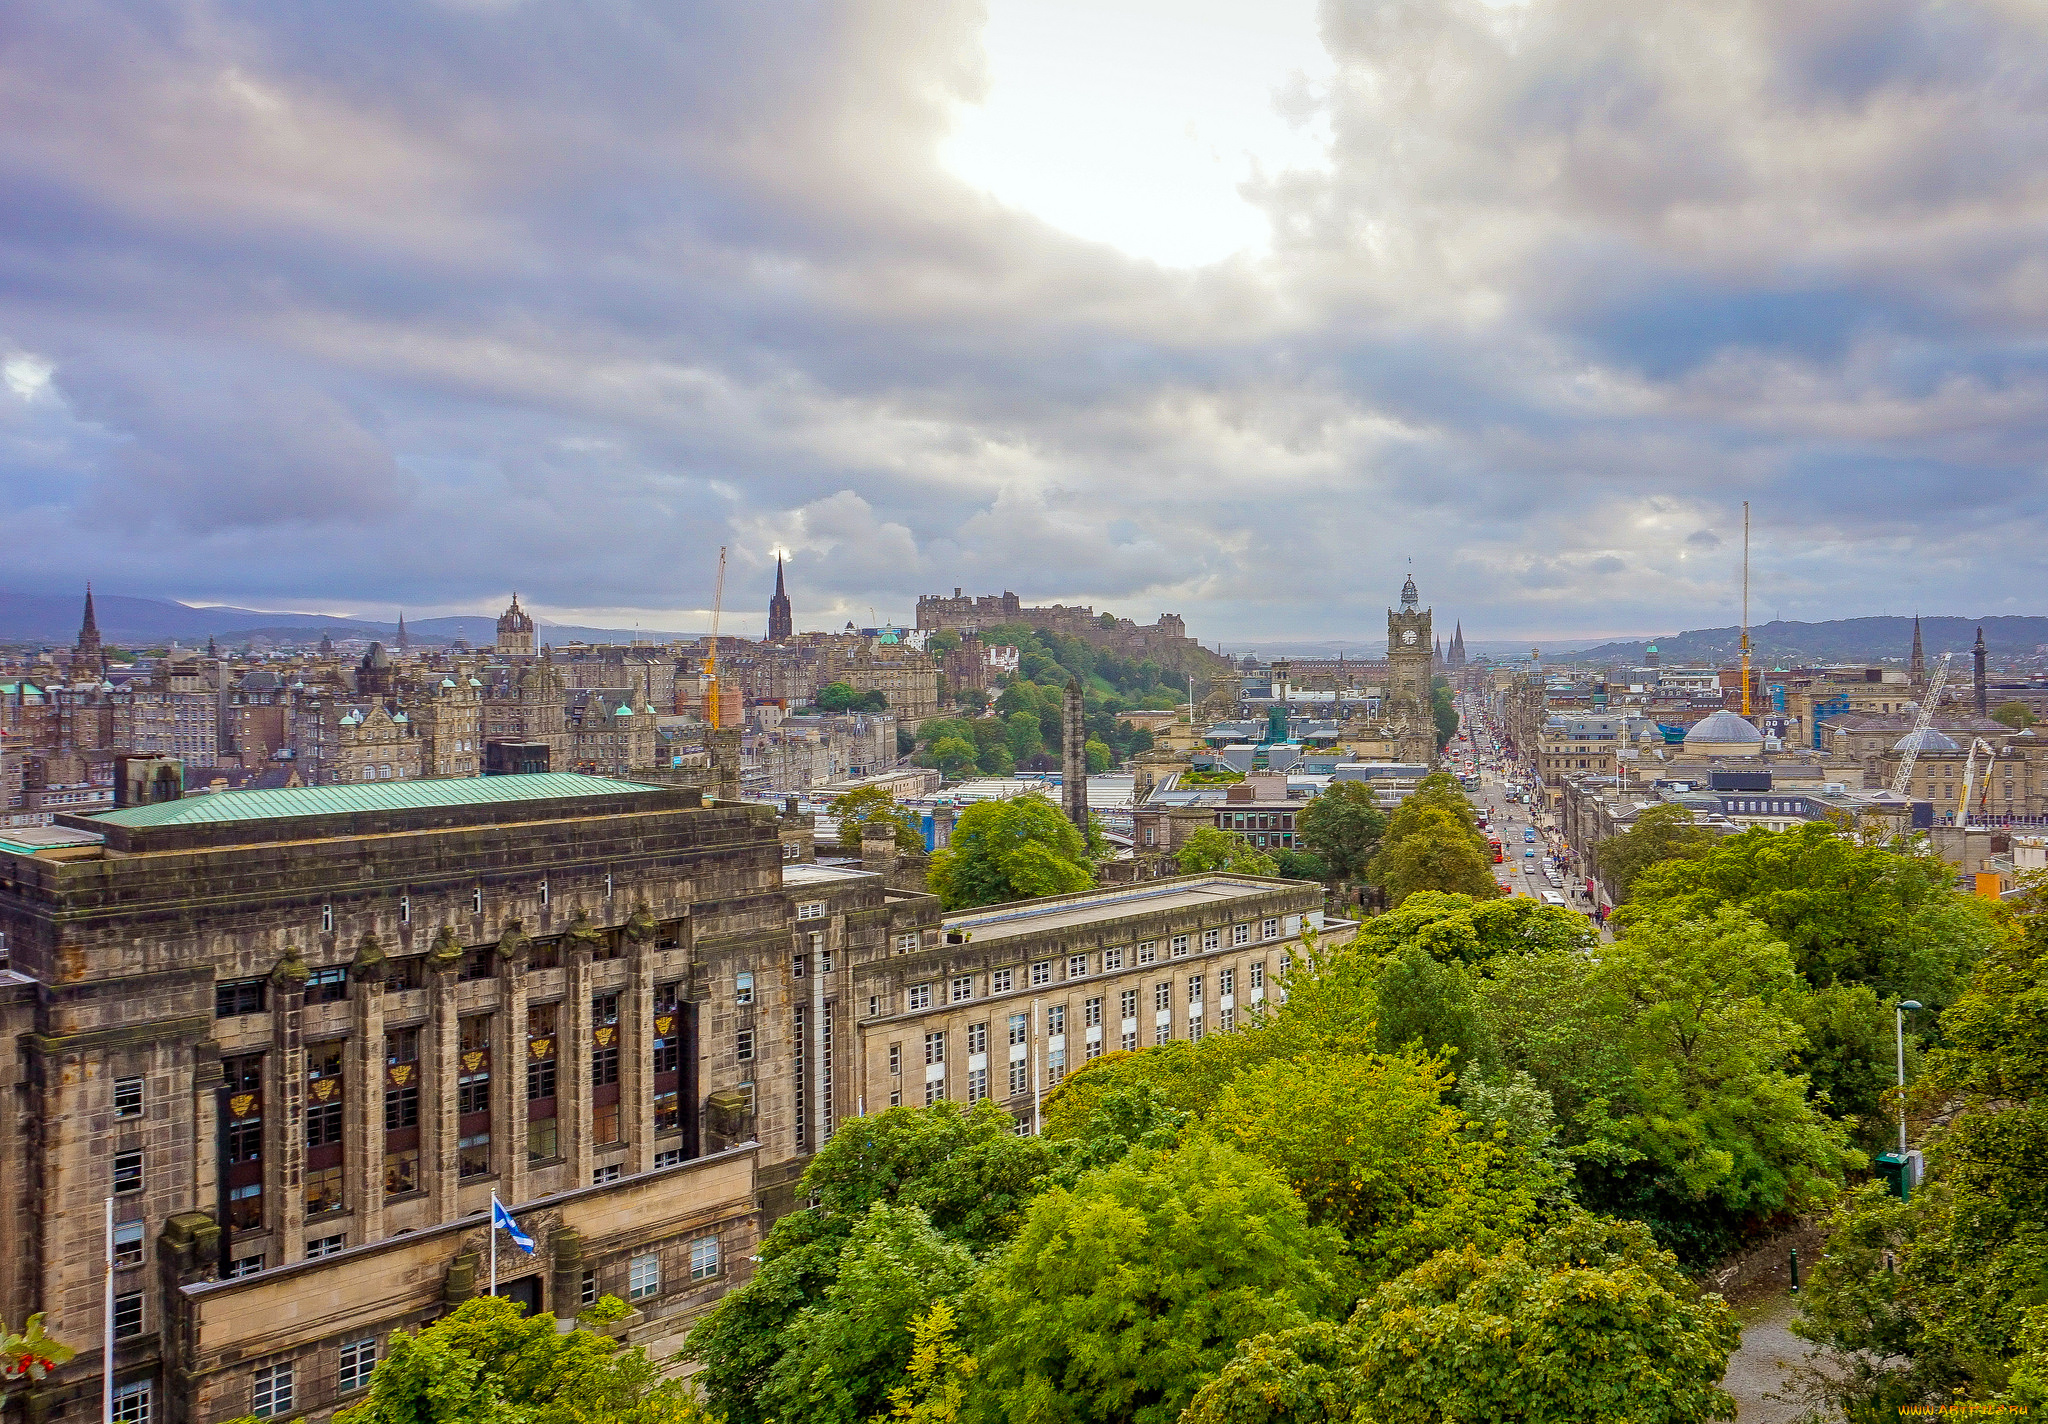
<point x="1410" y="667"/>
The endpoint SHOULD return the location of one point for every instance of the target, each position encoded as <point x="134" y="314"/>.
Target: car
<point x="1529" y="854"/>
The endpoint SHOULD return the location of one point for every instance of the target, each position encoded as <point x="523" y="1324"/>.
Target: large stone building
<point x="1407" y="707"/>
<point x="299" y="1037"/>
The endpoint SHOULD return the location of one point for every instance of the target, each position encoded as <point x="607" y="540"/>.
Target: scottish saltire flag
<point x="502" y="1219"/>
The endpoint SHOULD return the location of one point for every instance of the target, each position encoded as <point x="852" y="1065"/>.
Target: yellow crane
<point x="711" y="663"/>
<point x="1970" y="780"/>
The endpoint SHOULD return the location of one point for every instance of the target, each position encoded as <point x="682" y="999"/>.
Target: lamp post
<point x="1904" y="1004"/>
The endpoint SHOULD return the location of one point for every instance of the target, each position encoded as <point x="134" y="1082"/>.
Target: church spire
<point x="1917" y="669"/>
<point x="87" y="651"/>
<point x="779" y="622"/>
<point x="402" y="644"/>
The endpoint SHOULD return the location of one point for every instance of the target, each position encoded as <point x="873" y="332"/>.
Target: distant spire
<point x="780" y="624"/>
<point x="402" y="644"/>
<point x="88" y="650"/>
<point x="1918" y="668"/>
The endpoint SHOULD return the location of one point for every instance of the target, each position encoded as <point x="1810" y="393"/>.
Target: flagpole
<point x="107" y="1338"/>
<point x="494" y="1240"/>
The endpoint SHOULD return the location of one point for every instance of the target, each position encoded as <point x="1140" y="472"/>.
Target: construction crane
<point x="1970" y="777"/>
<point x="1902" y="783"/>
<point x="1745" y="610"/>
<point x="711" y="663"/>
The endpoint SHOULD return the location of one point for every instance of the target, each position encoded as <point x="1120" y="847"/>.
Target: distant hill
<point x="141" y="622"/>
<point x="1839" y="640"/>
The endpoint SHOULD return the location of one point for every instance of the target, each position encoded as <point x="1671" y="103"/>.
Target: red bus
<point x="1494" y="841"/>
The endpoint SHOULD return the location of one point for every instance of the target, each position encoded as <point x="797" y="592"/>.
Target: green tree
<point x="1010" y="850"/>
<point x="1664" y="832"/>
<point x="843" y="1354"/>
<point x="1435" y="854"/>
<point x="1474" y="929"/>
<point x="1428" y="1004"/>
<point x="1342" y="827"/>
<point x="940" y="1372"/>
<point x="1587" y="1324"/>
<point x="2015" y="714"/>
<point x="863" y="804"/>
<point x="1098" y="755"/>
<point x="1026" y="741"/>
<point x="1946" y="1299"/>
<point x="485" y="1362"/>
<point x="1671" y="1064"/>
<point x="953" y="755"/>
<point x="1121" y="1295"/>
<point x="1210" y="849"/>
<point x="1299" y="865"/>
<point x="843" y="697"/>
<point x="997" y="761"/>
<point x="1443" y="711"/>
<point x="941" y="643"/>
<point x="1851" y="913"/>
<point x="1372" y="1149"/>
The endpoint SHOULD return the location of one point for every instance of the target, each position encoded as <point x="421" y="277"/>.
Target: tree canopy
<point x="842" y="697"/>
<point x="1210" y="849"/>
<point x="1015" y="849"/>
<point x="1663" y="832"/>
<point x="863" y="804"/>
<point x="1342" y="827"/>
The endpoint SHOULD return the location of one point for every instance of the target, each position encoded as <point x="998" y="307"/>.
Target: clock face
<point x="1408" y="638"/>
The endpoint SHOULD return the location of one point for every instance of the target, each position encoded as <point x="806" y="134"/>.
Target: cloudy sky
<point x="1225" y="309"/>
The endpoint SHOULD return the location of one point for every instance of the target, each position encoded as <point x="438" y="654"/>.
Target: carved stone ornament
<point x="370" y="959"/>
<point x="291" y="971"/>
<point x="513" y="942"/>
<point x="582" y="933"/>
<point x="446" y="950"/>
<point x="640" y="926"/>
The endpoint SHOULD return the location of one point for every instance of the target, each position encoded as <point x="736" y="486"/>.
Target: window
<point x="473" y="1155"/>
<point x="668" y="1157"/>
<point x="1112" y="959"/>
<point x="240" y="996"/>
<point x="325" y="1246"/>
<point x="327" y="919"/>
<point x="127" y="1097"/>
<point x="323" y="1189"/>
<point x="127" y="1172"/>
<point x="131" y="1403"/>
<point x="128" y="1244"/>
<point x="1127" y="1004"/>
<point x="1224" y="1019"/>
<point x="1129" y="1041"/>
<point x="1240" y="934"/>
<point x="273" y="1393"/>
<point x="1056" y="1018"/>
<point x="401" y="1107"/>
<point x="743" y="990"/>
<point x="1018" y="1027"/>
<point x="1018" y="1076"/>
<point x="999" y="982"/>
<point x="1056" y="1062"/>
<point x="1091" y="1013"/>
<point x="473" y="1093"/>
<point x="601" y="1175"/>
<point x="703" y="1258"/>
<point x="1077" y="966"/>
<point x="743" y="1045"/>
<point x="1162" y="1032"/>
<point x="811" y="910"/>
<point x="542" y="1136"/>
<point x="243" y="1266"/>
<point x="127" y="1315"/>
<point x="402" y="1045"/>
<point x="977" y="1084"/>
<point x="1211" y="939"/>
<point x="1148" y="952"/>
<point x="934" y="1048"/>
<point x="586" y="1289"/>
<point x="327" y="986"/>
<point x="401" y="1172"/>
<point x="963" y="988"/>
<point x="1162" y="997"/>
<point x="895" y="1060"/>
<point x="604" y="1125"/>
<point x="1041" y="973"/>
<point x="1180" y="946"/>
<point x="977" y="1038"/>
<point x="358" y="1363"/>
<point x="906" y="943"/>
<point x="918" y="996"/>
<point x="643" y="1276"/>
<point x="604" y="1009"/>
<point x="1194" y="988"/>
<point x="1226" y="982"/>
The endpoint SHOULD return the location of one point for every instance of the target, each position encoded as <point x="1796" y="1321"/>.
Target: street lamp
<point x="1904" y="1004"/>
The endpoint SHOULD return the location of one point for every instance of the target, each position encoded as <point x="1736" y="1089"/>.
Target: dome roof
<point x="1925" y="740"/>
<point x="1723" y="726"/>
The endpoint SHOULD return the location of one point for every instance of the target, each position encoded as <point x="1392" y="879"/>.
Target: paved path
<point x="1761" y="1362"/>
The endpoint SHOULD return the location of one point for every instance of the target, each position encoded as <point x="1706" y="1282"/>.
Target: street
<point x="1518" y="873"/>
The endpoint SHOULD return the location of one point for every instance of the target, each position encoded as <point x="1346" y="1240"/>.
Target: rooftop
<point x="1036" y="916"/>
<point x="284" y="803"/>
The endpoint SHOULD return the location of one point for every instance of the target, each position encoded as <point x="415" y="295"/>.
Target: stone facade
<point x="1407" y="709"/>
<point x="905" y="676"/>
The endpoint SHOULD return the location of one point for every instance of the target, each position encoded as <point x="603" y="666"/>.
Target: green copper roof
<point x="226" y="806"/>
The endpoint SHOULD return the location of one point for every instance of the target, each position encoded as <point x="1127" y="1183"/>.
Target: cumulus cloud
<point x="416" y="303"/>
